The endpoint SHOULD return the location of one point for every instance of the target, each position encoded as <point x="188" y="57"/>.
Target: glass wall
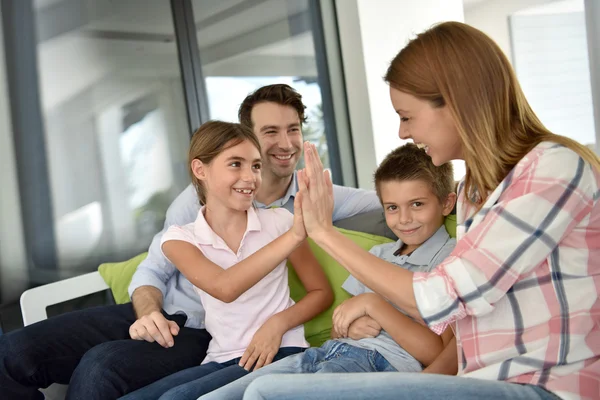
<point x="246" y="44"/>
<point x="115" y="125"/>
<point x="550" y="55"/>
<point x="103" y="97"/>
<point x="546" y="42"/>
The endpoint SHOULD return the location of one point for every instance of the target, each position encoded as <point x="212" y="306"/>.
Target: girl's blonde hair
<point x="457" y="66"/>
<point x="210" y="140"/>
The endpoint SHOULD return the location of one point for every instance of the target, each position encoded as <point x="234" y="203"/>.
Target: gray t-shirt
<point x="424" y="259"/>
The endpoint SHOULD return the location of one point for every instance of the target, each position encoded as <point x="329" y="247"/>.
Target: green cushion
<point x="318" y="330"/>
<point x="118" y="276"/>
<point x="450" y="223"/>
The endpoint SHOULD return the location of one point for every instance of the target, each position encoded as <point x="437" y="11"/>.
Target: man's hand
<point x="364" y="327"/>
<point x="264" y="346"/>
<point x="154" y="327"/>
<point x="351" y="310"/>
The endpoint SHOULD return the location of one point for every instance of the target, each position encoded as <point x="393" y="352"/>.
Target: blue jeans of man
<point x="194" y="382"/>
<point x="389" y="386"/>
<point x="332" y="357"/>
<point x="92" y="352"/>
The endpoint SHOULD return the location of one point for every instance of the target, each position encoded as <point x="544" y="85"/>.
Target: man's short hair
<point x="281" y="94"/>
<point x="410" y="163"/>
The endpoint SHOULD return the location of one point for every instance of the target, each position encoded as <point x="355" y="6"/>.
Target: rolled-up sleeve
<point x="536" y="209"/>
<point x="156" y="269"/>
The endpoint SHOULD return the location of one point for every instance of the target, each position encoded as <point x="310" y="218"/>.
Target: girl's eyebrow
<point x="238" y="158"/>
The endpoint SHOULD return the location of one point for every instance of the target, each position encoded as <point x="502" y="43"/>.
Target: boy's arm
<point x="446" y="362"/>
<point x="418" y="340"/>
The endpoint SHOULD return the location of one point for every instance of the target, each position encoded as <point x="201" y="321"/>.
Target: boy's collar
<point x="425" y="253"/>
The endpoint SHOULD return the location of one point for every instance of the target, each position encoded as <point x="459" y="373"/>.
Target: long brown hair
<point x="455" y="65"/>
<point x="210" y="140"/>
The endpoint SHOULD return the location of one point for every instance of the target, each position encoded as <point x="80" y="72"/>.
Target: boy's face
<point x="412" y="211"/>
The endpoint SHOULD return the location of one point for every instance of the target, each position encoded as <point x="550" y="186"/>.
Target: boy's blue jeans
<point x="333" y="356"/>
<point x="193" y="382"/>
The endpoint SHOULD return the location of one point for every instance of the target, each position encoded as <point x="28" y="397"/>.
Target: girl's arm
<point x="228" y="284"/>
<point x="319" y="294"/>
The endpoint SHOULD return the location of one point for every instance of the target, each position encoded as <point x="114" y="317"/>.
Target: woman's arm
<point x="547" y="197"/>
<point x="228" y="284"/>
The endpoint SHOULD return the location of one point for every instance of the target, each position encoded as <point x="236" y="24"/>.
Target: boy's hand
<point x="263" y="347"/>
<point x="351" y="310"/>
<point x="364" y="327"/>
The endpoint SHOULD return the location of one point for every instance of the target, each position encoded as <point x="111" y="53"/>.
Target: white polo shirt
<point x="232" y="325"/>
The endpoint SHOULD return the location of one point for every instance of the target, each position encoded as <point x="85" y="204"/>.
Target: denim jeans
<point x="389" y="386"/>
<point x="92" y="352"/>
<point x="192" y="383"/>
<point x="333" y="356"/>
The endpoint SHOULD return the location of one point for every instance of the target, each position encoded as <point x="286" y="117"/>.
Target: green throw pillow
<point x="118" y="276"/>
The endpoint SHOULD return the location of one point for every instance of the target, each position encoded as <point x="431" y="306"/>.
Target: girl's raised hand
<point x="298" y="227"/>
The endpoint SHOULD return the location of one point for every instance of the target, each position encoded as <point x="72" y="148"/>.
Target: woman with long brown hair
<point x="521" y="288"/>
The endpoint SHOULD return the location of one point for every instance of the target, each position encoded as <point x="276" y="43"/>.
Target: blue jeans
<point x="389" y="385"/>
<point x="193" y="382"/>
<point x="333" y="356"/>
<point x="92" y="352"/>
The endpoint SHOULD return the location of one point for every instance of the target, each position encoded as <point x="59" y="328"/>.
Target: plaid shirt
<point x="522" y="284"/>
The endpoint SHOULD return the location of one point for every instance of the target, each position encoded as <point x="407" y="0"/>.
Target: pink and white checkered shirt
<point x="522" y="284"/>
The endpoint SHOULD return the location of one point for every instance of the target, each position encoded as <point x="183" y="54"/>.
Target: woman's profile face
<point x="430" y="127"/>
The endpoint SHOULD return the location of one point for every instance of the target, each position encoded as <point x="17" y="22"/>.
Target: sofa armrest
<point x="34" y="301"/>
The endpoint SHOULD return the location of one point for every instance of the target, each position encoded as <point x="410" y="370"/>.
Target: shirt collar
<point x="206" y="236"/>
<point x="425" y="253"/>
<point x="290" y="193"/>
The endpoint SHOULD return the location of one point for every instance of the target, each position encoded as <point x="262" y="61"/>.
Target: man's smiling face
<point x="279" y="131"/>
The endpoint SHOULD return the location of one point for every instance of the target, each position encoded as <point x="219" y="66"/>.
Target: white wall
<point x="384" y="27"/>
<point x="491" y="17"/>
<point x="13" y="274"/>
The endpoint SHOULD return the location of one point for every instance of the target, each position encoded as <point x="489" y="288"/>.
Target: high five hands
<point x="316" y="194"/>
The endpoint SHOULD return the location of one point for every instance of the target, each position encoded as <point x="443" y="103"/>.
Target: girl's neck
<point x="227" y="223"/>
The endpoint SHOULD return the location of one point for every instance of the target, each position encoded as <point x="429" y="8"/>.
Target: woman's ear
<point x="199" y="169"/>
<point x="448" y="204"/>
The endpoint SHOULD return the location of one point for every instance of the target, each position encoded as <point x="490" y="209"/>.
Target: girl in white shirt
<point x="235" y="256"/>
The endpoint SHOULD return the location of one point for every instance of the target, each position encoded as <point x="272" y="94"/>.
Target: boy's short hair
<point x="410" y="163"/>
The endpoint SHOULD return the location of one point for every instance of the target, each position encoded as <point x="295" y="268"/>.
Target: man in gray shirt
<point x="92" y="350"/>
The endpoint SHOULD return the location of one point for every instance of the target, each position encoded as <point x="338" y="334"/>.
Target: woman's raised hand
<point x="316" y="192"/>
